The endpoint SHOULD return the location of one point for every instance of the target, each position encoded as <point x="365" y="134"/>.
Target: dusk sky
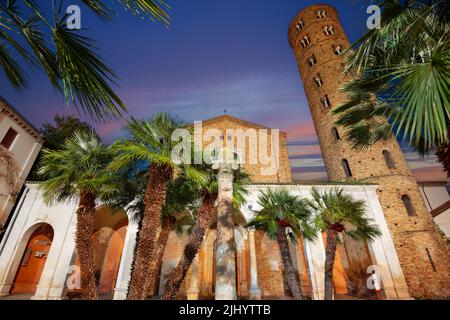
<point x="216" y="55"/>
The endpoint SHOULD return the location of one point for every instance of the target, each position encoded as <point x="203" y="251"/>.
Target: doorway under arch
<point x="33" y="260"/>
<point x="110" y="229"/>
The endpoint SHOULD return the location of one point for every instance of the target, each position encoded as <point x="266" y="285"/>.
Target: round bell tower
<point x="318" y="40"/>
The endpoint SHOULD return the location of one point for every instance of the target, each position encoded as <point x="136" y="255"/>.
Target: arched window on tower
<point x="321" y="14"/>
<point x="408" y="205"/>
<point x="325" y="101"/>
<point x="305" y="41"/>
<point x="337" y="49"/>
<point x="318" y="80"/>
<point x="388" y="159"/>
<point x="328" y="30"/>
<point x="312" y="60"/>
<point x="335" y="134"/>
<point x="346" y="167"/>
<point x="300" y="25"/>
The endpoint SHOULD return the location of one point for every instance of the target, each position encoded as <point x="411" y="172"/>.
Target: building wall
<point x="282" y="167"/>
<point x="15" y="163"/>
<point x="31" y="213"/>
<point x="417" y="241"/>
<point x="308" y="257"/>
<point x="436" y="194"/>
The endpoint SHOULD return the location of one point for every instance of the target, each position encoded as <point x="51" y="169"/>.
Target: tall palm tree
<point x="207" y="192"/>
<point x="177" y="213"/>
<point x="149" y="144"/>
<point x="38" y="35"/>
<point x="78" y="171"/>
<point x="406" y="65"/>
<point x="339" y="215"/>
<point x="284" y="215"/>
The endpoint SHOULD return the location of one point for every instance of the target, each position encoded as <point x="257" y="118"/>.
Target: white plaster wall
<point x="25" y="149"/>
<point x="382" y="250"/>
<point x="31" y="212"/>
<point x="434" y="196"/>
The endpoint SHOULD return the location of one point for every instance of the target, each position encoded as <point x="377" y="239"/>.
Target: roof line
<point x="19" y="114"/>
<point x="227" y="116"/>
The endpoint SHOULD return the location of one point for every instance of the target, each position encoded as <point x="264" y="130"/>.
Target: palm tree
<point x="405" y="64"/>
<point x="149" y="144"/>
<point x="78" y="171"/>
<point x="207" y="191"/>
<point x="177" y="213"/>
<point x="283" y="215"/>
<point x="43" y="41"/>
<point x="339" y="215"/>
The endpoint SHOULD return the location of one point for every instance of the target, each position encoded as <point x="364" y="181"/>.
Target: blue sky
<point x="216" y="55"/>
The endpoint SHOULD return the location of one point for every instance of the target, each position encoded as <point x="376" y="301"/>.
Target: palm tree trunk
<point x="191" y="249"/>
<point x="330" y="252"/>
<point x="155" y="198"/>
<point x="443" y="155"/>
<point x="289" y="271"/>
<point x="85" y="250"/>
<point x="154" y="270"/>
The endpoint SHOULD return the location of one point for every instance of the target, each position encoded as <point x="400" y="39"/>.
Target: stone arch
<point x="269" y="265"/>
<point x="207" y="262"/>
<point x="110" y="229"/>
<point x="18" y="272"/>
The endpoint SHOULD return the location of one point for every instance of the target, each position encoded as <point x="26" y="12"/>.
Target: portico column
<point x="255" y="292"/>
<point x="225" y="243"/>
<point x="124" y="273"/>
<point x="192" y="292"/>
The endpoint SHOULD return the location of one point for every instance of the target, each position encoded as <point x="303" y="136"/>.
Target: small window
<point x="9" y="138"/>
<point x="388" y="159"/>
<point x="312" y="60"/>
<point x="408" y="205"/>
<point x="337" y="49"/>
<point x="328" y="30"/>
<point x="321" y="14"/>
<point x="346" y="167"/>
<point x="325" y="101"/>
<point x="300" y="25"/>
<point x="335" y="134"/>
<point x="318" y="80"/>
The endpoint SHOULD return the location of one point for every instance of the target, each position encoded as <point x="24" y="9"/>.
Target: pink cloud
<point x="301" y="131"/>
<point x="107" y="128"/>
<point x="433" y="173"/>
<point x="304" y="150"/>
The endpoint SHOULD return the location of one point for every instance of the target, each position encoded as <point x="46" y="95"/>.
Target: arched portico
<point x="33" y="260"/>
<point x="28" y="261"/>
<point x="110" y="229"/>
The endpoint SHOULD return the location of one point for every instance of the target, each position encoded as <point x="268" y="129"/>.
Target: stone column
<point x="255" y="292"/>
<point x="193" y="290"/>
<point x="315" y="256"/>
<point x="383" y="253"/>
<point x="225" y="244"/>
<point x="124" y="273"/>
